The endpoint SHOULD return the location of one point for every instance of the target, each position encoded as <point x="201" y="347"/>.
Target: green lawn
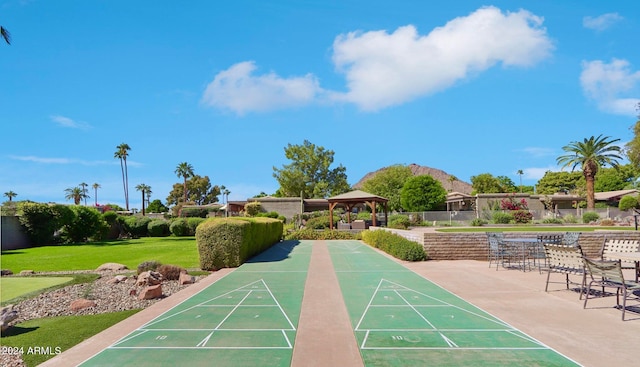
<point x="180" y="251"/>
<point x="12" y="287"/>
<point x="53" y="335"/>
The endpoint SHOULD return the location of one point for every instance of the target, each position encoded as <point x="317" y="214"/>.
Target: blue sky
<point x="468" y="87"/>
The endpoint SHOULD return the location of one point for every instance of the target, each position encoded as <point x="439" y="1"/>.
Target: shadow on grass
<point x="18" y="330"/>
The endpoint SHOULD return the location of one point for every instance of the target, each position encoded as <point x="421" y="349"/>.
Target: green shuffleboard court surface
<point x="250" y="318"/>
<point x="402" y="319"/>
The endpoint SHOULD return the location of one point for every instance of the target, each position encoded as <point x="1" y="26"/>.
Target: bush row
<point x="229" y="242"/>
<point x="327" y="234"/>
<point x="396" y="246"/>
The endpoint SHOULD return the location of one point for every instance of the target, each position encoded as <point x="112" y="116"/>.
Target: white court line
<point x="200" y="348"/>
<point x="368" y="305"/>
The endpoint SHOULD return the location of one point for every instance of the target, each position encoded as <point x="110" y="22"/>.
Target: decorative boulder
<point x="149" y="278"/>
<point x="82" y="303"/>
<point x="111" y="267"/>
<point x="5" y="272"/>
<point x="185" y="279"/>
<point x="151" y="292"/>
<point x="117" y="279"/>
<point x="27" y="272"/>
<point x="7" y="314"/>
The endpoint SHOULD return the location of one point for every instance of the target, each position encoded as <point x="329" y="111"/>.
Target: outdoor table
<point x="525" y="244"/>
<point x="627" y="256"/>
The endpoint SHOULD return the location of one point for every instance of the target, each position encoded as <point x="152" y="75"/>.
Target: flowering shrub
<point x="510" y="203"/>
<point x="522" y="216"/>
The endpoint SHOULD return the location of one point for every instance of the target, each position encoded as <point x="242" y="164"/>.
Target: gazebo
<point x="351" y="198"/>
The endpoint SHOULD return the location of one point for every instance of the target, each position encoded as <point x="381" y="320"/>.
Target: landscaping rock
<point x="27" y="272"/>
<point x="81" y="304"/>
<point x="185" y="278"/>
<point x="7" y="314"/>
<point x="117" y="279"/>
<point x="5" y="272"/>
<point x="111" y="267"/>
<point x="151" y="292"/>
<point x="149" y="278"/>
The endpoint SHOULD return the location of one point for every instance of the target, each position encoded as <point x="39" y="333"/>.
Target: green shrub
<point x="399" y="221"/>
<point x="41" y="221"/>
<point x="522" y="216"/>
<point x="136" y="226"/>
<point x="252" y="209"/>
<point x="396" y="246"/>
<point x="478" y="222"/>
<point x="363" y="215"/>
<point x="87" y="223"/>
<point x="158" y="228"/>
<point x="628" y="202"/>
<point x="193" y="223"/>
<point x="229" y="242"/>
<point x="179" y="227"/>
<point x="589" y="217"/>
<point x="552" y="220"/>
<point x="327" y="234"/>
<point x="321" y="222"/>
<point x="148" y="265"/>
<point x="502" y="218"/>
<point x="607" y="222"/>
<point x="110" y="217"/>
<point x="570" y="218"/>
<point x="194" y="212"/>
<point x="170" y="272"/>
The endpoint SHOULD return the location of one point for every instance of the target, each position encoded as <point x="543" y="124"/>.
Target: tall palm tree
<point x="75" y="193"/>
<point x="122" y="153"/>
<point x="591" y="154"/>
<point x="451" y="180"/>
<point x="4" y="33"/>
<point x="184" y="170"/>
<point x="145" y="189"/>
<point x="84" y="192"/>
<point x="520" y="173"/>
<point x="10" y="194"/>
<point x="96" y="186"/>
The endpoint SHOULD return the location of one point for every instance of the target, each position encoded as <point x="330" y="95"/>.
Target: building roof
<point x="356" y="195"/>
<point x="608" y="195"/>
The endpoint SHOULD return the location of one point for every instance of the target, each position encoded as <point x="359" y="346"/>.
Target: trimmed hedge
<point x="158" y="228"/>
<point x="229" y="242"/>
<point x="396" y="246"/>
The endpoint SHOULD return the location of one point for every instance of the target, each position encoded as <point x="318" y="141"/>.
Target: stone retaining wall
<point x="474" y="246"/>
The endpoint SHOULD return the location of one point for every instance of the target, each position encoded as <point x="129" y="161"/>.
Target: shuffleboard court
<point x="402" y="319"/>
<point x="247" y="318"/>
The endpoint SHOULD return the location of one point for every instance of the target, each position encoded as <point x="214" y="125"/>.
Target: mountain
<point x="439" y="175"/>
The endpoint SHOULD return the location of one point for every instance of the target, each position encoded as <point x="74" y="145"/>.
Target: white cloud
<point x="238" y="90"/>
<point x="602" y="22"/>
<point x="385" y="69"/>
<point x="51" y="160"/>
<point x="67" y="122"/>
<point x="534" y="173"/>
<point x="614" y="87"/>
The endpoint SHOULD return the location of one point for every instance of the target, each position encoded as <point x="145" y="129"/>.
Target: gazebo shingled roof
<point x="351" y="198"/>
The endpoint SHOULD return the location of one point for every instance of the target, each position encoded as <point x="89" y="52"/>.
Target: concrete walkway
<point x="592" y="337"/>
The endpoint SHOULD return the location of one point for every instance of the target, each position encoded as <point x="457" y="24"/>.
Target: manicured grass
<point x="180" y="251"/>
<point x="42" y="339"/>
<point x="535" y="229"/>
<point x="12" y="287"/>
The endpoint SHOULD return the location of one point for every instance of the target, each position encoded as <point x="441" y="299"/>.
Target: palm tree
<point x="75" y="193"/>
<point x="96" y="186"/>
<point x="84" y="192"/>
<point x="10" y="194"/>
<point x="226" y="193"/>
<point x="184" y="170"/>
<point x="144" y="189"/>
<point x="122" y="153"/>
<point x="591" y="154"/>
<point x="451" y="180"/>
<point x="520" y="173"/>
<point x="4" y="33"/>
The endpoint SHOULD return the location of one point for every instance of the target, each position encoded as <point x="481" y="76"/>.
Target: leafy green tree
<point x="200" y="191"/>
<point x="422" y="193"/>
<point x="486" y="183"/>
<point x="156" y="206"/>
<point x="86" y="223"/>
<point x="611" y="179"/>
<point x="10" y="194"/>
<point x="388" y="183"/>
<point x="184" y="170"/>
<point x="122" y="152"/>
<point x="632" y="148"/>
<point x="591" y="154"/>
<point x="309" y="173"/>
<point x="4" y="33"/>
<point x="41" y="221"/>
<point x="506" y="184"/>
<point x="76" y="194"/>
<point x="553" y="182"/>
<point x="628" y="202"/>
